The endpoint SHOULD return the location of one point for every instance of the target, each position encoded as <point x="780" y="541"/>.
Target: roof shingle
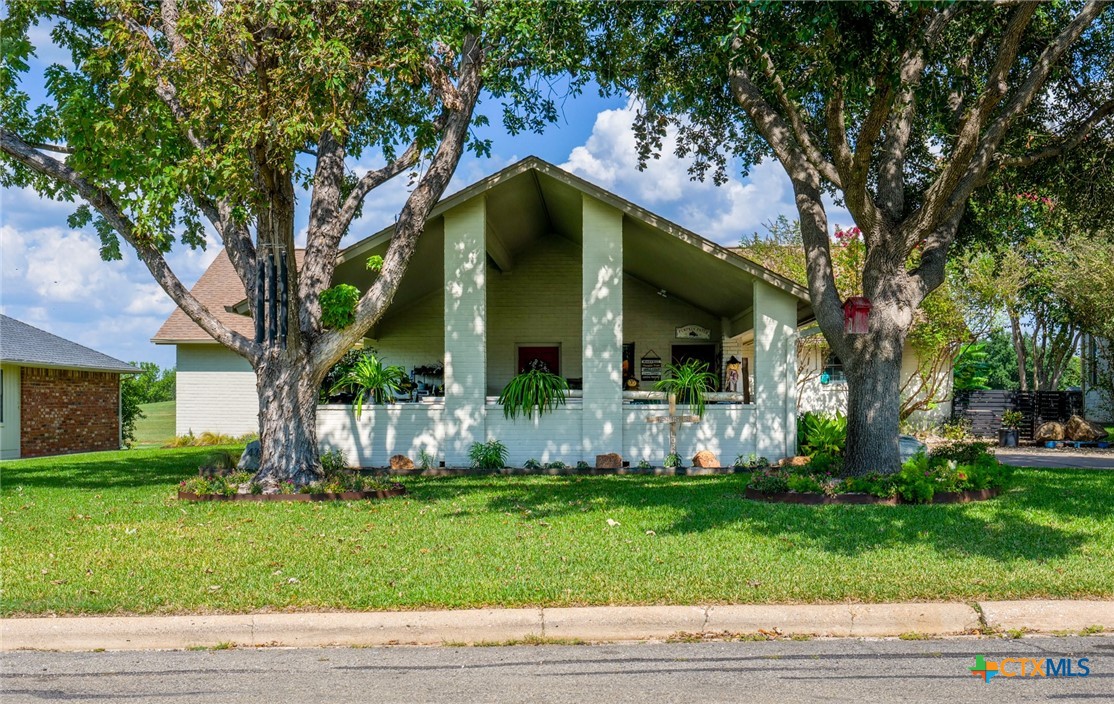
<point x="24" y="344"/>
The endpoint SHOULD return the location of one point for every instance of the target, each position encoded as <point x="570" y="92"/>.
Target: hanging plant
<point x="533" y="390"/>
<point x="689" y="381"/>
<point x="338" y="306"/>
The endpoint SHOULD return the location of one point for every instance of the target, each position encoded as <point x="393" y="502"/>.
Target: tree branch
<point x="1066" y="143"/>
<point x="23" y="153"/>
<point x="412" y="218"/>
<point x="800" y="129"/>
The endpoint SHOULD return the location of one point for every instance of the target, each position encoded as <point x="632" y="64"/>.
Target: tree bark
<point x="1019" y="348"/>
<point x="873" y="372"/>
<point x="287" y="388"/>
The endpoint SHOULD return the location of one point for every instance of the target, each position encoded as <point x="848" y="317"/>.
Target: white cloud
<point x="609" y="158"/>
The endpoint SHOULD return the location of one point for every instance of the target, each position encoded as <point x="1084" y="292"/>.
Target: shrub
<point x="532" y="464"/>
<point x="533" y="391"/>
<point x="208" y="439"/>
<point x="645" y="464"/>
<point x="425" y="459"/>
<point x="751" y="461"/>
<point x="555" y="464"/>
<point x="488" y="455"/>
<point x="221" y="459"/>
<point x="582" y="465"/>
<point x="333" y="462"/>
<point x="804" y="484"/>
<point x="961" y="452"/>
<point x="956" y="429"/>
<point x="915" y="480"/>
<point x="673" y="460"/>
<point x="817" y="432"/>
<point x="769" y="481"/>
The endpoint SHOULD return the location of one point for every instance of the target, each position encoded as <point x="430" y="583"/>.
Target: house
<point x="534" y="263"/>
<point x="56" y="396"/>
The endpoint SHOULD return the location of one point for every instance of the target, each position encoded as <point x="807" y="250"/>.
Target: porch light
<point x="856" y="311"/>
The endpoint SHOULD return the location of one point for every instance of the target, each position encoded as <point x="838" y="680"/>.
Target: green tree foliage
<point x="153" y="385"/>
<point x="899" y="110"/>
<point x="179" y="116"/>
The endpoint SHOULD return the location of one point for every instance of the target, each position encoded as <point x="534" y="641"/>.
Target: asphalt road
<point x="780" y="671"/>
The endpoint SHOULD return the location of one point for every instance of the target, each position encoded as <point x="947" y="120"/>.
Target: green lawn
<point x="104" y="533"/>
<point x="156" y="428"/>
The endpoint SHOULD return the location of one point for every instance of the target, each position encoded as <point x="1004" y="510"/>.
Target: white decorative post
<point x="465" y="328"/>
<point x="602" y="328"/>
<point x="775" y="368"/>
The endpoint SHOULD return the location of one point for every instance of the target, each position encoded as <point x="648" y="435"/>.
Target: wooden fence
<point x="985" y="408"/>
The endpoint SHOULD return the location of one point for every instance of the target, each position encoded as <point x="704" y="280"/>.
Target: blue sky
<point x="52" y="276"/>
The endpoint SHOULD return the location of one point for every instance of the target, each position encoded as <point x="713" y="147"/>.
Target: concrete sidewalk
<point x="602" y="623"/>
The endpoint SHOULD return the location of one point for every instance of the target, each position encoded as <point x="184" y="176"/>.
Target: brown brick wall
<point x="65" y="411"/>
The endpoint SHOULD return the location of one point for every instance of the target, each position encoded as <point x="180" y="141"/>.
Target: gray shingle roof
<point x="23" y="344"/>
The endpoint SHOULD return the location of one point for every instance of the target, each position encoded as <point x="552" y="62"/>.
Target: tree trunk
<point x="874" y="401"/>
<point x="1019" y="348"/>
<point x="287" y="419"/>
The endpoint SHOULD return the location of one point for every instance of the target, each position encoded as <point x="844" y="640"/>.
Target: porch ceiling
<point x="533" y="199"/>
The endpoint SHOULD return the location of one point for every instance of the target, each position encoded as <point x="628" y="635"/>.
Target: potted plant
<point x="1009" y="433"/>
<point x="369" y="376"/>
<point x="534" y="390"/>
<point x="689" y="381"/>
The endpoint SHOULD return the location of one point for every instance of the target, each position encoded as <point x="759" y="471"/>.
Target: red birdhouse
<point x="856" y="311"/>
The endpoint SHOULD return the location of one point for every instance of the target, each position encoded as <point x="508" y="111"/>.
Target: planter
<point x="343" y="496"/>
<point x="1008" y="437"/>
<point x="793" y="497"/>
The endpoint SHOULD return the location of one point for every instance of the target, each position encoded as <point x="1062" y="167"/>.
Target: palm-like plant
<point x="689" y="381"/>
<point x="369" y="376"/>
<point x="533" y="390"/>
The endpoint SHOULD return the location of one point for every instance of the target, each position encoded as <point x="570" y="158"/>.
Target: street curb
<point x="1048" y="616"/>
<point x="598" y="623"/>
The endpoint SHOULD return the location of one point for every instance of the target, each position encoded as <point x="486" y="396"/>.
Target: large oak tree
<point x="898" y="110"/>
<point x="180" y="115"/>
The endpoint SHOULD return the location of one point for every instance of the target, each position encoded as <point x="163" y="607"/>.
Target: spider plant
<point x="369" y="376"/>
<point x="689" y="381"/>
<point x="533" y="390"/>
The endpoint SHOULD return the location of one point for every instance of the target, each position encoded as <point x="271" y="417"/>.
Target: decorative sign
<point x="693" y="332"/>
<point x="650" y="367"/>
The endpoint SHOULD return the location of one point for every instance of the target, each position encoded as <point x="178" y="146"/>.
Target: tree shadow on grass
<point x="105" y="470"/>
<point x="1035" y="521"/>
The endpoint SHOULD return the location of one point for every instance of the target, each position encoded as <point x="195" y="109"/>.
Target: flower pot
<point x="1007" y="437"/>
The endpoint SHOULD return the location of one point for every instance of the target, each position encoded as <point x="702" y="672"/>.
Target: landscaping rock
<point x="249" y="461"/>
<point x="612" y="460"/>
<point x="798" y="461"/>
<point x="704" y="458"/>
<point x="908" y="446"/>
<point x="1049" y="431"/>
<point x="1078" y="428"/>
<point x="401" y="462"/>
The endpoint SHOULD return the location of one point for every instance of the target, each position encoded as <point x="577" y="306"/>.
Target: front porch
<point x="535" y="263"/>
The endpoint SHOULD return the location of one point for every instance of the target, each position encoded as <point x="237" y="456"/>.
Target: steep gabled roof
<point x="27" y="345"/>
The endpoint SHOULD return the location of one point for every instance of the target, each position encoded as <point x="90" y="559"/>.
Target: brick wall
<point x="68" y="411"/>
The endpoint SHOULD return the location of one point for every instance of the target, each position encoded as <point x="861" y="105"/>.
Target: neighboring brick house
<point x="536" y="263"/>
<point x="56" y="396"/>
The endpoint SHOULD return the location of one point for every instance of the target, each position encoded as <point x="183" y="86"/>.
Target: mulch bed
<point x="343" y="496"/>
<point x="793" y="497"/>
<point x="558" y="471"/>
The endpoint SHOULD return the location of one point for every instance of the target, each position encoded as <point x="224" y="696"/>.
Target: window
<point x="544" y="357"/>
<point x="833" y="367"/>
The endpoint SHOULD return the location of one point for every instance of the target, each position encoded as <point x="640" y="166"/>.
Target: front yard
<point x="104" y="533"/>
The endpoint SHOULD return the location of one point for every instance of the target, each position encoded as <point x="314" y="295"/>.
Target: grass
<point x="156" y="428"/>
<point x="104" y="533"/>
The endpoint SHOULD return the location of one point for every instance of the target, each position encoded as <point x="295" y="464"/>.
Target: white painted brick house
<point x="536" y="258"/>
